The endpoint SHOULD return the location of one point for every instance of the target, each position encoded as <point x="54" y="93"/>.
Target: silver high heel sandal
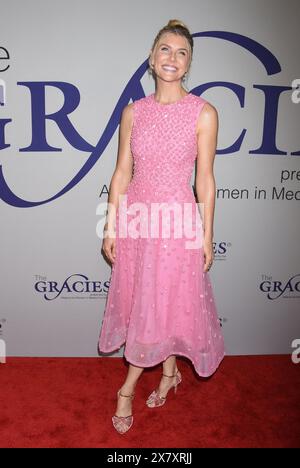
<point x="122" y="424"/>
<point x="154" y="400"/>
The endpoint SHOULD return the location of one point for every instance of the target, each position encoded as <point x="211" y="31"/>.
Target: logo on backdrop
<point x="133" y="90"/>
<point x="221" y="249"/>
<point x="276" y="288"/>
<point x="77" y="286"/>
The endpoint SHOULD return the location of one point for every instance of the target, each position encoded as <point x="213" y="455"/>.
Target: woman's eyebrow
<point x="180" y="48"/>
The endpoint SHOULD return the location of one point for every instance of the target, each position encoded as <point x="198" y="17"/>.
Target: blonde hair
<point x="177" y="27"/>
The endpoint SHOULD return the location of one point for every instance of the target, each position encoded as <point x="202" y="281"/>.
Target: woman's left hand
<point x="208" y="254"/>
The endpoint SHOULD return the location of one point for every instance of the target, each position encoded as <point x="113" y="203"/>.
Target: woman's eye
<point x="166" y="48"/>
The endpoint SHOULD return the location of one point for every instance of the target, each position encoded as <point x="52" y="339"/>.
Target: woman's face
<point x="171" y="57"/>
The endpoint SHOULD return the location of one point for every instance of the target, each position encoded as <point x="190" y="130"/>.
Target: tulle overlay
<point x="160" y="302"/>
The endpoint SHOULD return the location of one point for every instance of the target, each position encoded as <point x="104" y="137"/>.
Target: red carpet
<point x="251" y="401"/>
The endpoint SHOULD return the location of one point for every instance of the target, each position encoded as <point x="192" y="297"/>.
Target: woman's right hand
<point x="109" y="247"/>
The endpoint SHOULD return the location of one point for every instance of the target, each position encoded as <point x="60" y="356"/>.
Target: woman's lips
<point x="169" y="68"/>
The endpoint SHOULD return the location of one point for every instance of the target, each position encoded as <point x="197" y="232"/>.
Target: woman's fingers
<point x="109" y="249"/>
<point x="208" y="260"/>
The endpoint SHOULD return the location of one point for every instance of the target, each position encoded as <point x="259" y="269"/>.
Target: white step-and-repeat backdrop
<point x="67" y="69"/>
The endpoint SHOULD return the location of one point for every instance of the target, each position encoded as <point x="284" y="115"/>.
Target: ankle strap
<point x="127" y="396"/>
<point x="171" y="375"/>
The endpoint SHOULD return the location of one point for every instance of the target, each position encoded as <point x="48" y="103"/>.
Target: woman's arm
<point x="207" y="134"/>
<point x="123" y="171"/>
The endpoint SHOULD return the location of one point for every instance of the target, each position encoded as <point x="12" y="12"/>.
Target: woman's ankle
<point x="127" y="389"/>
<point x="171" y="372"/>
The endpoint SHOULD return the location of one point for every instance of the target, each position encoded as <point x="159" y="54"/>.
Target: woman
<point x="160" y="300"/>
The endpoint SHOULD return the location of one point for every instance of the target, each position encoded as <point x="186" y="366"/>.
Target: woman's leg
<point x="124" y="404"/>
<point x="169" y="368"/>
<point x="169" y="365"/>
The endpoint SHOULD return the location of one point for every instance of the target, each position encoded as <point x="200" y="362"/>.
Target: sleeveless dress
<point x="160" y="302"/>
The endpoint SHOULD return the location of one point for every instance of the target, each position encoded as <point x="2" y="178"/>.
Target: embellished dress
<point x="160" y="302"/>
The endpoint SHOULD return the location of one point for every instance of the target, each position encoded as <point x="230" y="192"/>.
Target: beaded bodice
<point x="164" y="146"/>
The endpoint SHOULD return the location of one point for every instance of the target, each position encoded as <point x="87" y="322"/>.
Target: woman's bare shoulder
<point x="127" y="115"/>
<point x="209" y="109"/>
<point x="208" y="116"/>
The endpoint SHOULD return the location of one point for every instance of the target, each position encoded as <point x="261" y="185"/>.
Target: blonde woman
<point x="160" y="301"/>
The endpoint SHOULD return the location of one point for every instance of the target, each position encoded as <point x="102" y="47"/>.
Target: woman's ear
<point x="150" y="58"/>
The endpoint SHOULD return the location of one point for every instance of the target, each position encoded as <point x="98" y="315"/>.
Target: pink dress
<point x="160" y="302"/>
